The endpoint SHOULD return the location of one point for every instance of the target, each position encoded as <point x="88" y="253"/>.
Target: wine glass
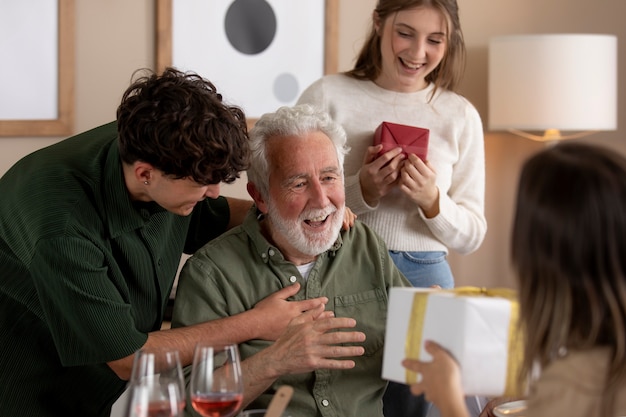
<point x="216" y="386"/>
<point x="156" y="387"/>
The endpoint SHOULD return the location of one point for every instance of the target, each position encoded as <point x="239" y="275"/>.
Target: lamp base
<point x="550" y="135"/>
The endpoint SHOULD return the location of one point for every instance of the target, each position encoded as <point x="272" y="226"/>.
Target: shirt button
<point x="272" y="252"/>
<point x="325" y="403"/>
<point x="293" y="279"/>
<point x="263" y="255"/>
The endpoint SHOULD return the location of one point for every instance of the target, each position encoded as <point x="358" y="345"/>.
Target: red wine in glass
<point x="217" y="405"/>
<point x="216" y="386"/>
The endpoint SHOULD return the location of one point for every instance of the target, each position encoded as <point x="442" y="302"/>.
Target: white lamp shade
<point x="560" y="81"/>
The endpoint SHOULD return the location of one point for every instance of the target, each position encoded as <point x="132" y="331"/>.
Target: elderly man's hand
<point x="311" y="342"/>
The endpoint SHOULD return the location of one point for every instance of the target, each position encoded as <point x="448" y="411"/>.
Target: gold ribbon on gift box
<point x="515" y="354"/>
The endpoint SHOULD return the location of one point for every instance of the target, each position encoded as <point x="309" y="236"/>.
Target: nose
<point x="317" y="195"/>
<point x="212" y="191"/>
<point x="418" y="48"/>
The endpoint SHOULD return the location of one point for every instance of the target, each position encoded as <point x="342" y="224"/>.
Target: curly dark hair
<point x="178" y="123"/>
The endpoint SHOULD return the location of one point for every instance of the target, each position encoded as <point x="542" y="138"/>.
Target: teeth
<point x="412" y="66"/>
<point x="317" y="219"/>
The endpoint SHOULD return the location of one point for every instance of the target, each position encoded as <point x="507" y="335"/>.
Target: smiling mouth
<point x="410" y="65"/>
<point x="317" y="221"/>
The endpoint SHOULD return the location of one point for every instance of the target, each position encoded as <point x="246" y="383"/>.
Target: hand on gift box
<point x="379" y="174"/>
<point x="398" y="157"/>
<point x="413" y="140"/>
<point x="418" y="181"/>
<point x="440" y="381"/>
<point x="474" y="324"/>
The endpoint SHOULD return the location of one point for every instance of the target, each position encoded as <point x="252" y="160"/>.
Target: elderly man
<point x="293" y="235"/>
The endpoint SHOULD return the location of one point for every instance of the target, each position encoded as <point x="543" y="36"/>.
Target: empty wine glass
<point x="216" y="386"/>
<point x="156" y="387"/>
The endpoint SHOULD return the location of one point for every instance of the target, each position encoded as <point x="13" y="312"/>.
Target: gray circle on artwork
<point x="250" y="25"/>
<point x="286" y="87"/>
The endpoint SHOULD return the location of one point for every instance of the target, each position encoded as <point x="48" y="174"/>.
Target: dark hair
<point x="447" y="74"/>
<point x="569" y="254"/>
<point x="178" y="123"/>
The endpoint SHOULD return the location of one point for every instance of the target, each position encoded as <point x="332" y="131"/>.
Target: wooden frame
<point x="164" y="28"/>
<point x="64" y="123"/>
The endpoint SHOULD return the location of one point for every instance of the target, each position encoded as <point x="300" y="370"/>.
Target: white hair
<point x="289" y="121"/>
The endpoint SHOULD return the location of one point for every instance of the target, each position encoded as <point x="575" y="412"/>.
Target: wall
<point x="482" y="19"/>
<point x="115" y="37"/>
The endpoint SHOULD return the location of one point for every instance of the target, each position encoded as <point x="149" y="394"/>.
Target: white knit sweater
<point x="456" y="151"/>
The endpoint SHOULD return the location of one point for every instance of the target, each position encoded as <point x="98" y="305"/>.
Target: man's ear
<point x="260" y="202"/>
<point x="142" y="171"/>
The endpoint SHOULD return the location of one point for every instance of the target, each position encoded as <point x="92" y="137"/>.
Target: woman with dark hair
<point x="568" y="246"/>
<point x="92" y="230"/>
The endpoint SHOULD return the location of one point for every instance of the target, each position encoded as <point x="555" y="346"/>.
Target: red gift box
<point x="412" y="140"/>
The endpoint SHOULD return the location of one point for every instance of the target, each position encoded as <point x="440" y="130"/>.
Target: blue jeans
<point x="424" y="269"/>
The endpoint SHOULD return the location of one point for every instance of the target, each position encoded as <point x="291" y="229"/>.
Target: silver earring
<point x="146" y="182"/>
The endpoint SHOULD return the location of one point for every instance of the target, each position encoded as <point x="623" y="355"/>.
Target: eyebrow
<point x="290" y="180"/>
<point x="332" y="169"/>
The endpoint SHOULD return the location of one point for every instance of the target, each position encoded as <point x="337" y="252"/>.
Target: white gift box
<point x="478" y="327"/>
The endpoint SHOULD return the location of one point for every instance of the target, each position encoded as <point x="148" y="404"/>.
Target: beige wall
<point x="115" y="37"/>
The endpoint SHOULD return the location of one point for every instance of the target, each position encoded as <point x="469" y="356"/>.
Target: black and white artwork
<point x="260" y="54"/>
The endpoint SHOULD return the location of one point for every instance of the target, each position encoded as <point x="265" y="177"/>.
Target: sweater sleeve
<point x="461" y="223"/>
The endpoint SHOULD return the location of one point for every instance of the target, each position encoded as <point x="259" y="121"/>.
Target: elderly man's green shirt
<point x="235" y="271"/>
<point x="85" y="274"/>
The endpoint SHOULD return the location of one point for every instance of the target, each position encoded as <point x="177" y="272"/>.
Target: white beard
<point x="305" y="240"/>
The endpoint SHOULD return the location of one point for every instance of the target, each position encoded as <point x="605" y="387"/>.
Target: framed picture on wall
<point x="37" y="75"/>
<point x="260" y="54"/>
